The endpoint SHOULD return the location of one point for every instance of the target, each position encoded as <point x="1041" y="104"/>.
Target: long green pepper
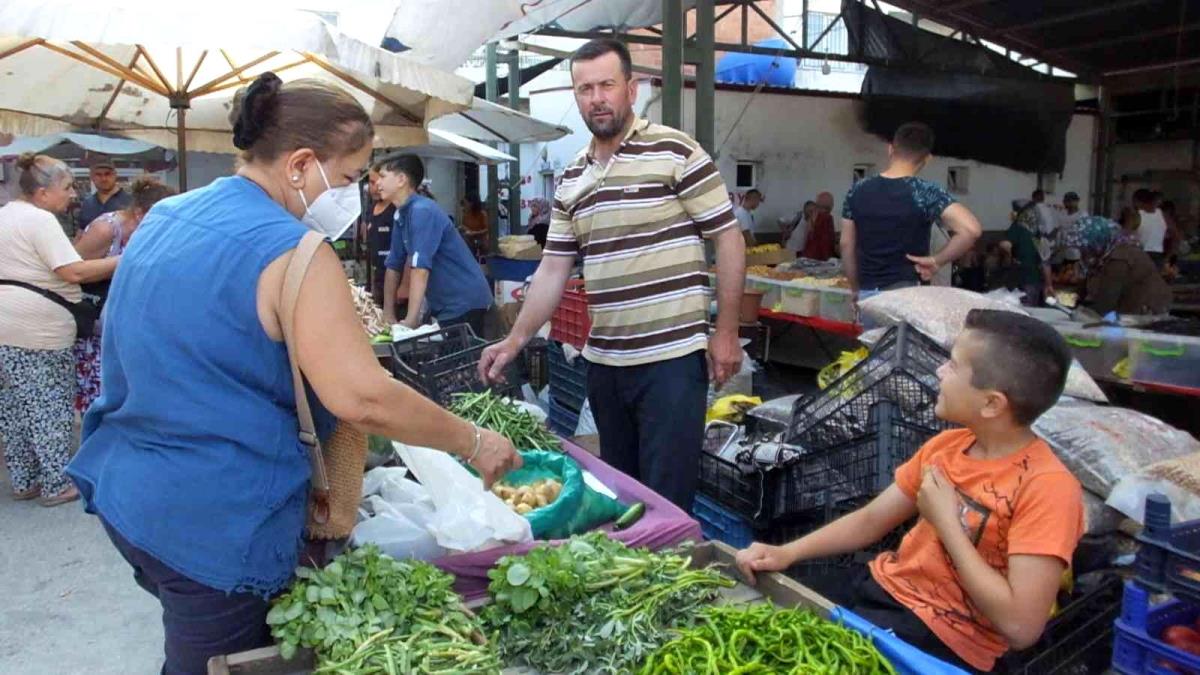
<point x="745" y="639"/>
<point x="497" y="414"/>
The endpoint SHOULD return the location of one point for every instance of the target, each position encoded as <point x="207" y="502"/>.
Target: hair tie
<point x="255" y="110"/>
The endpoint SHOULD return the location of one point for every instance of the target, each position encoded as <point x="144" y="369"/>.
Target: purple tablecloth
<point x="663" y="526"/>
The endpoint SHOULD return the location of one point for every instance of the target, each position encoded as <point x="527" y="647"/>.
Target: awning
<point x="105" y="145"/>
<point x="494" y="123"/>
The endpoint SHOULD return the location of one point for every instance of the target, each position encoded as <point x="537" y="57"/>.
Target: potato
<point x="530" y="498"/>
<point x="541" y="500"/>
<point x="523" y="508"/>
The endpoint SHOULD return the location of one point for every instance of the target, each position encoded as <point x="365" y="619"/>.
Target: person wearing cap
<point x="107" y="198"/>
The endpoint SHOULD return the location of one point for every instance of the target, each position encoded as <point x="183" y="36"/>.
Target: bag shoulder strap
<point x="293" y="278"/>
<point x="49" y="295"/>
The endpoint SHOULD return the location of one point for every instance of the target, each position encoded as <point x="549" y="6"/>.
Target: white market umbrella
<point x="445" y="145"/>
<point x="166" y="72"/>
<point x="492" y="123"/>
<point x="105" y="145"/>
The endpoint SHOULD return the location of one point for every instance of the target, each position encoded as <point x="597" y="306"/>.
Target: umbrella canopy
<point x="493" y="123"/>
<point x="445" y="145"/>
<point x="166" y="74"/>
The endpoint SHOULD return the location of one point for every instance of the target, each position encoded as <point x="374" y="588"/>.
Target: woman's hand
<point x="496" y="457"/>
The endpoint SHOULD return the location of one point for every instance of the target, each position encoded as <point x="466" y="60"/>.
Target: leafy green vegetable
<point x="592" y="604"/>
<point x="368" y="613"/>
<point x="763" y="639"/>
<point x="505" y="418"/>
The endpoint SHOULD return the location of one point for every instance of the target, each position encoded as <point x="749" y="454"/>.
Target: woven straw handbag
<point x="339" y="463"/>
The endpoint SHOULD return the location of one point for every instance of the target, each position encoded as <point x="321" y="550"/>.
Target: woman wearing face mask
<point x="106" y="237"/>
<point x="190" y="455"/>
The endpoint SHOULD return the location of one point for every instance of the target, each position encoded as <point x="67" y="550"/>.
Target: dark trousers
<point x="856" y="590"/>
<point x="473" y="318"/>
<point x="651" y="421"/>
<point x="198" y="622"/>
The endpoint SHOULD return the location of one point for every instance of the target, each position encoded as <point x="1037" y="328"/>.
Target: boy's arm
<point x="848" y="244"/>
<point x="852" y="532"/>
<point x="1019" y="605"/>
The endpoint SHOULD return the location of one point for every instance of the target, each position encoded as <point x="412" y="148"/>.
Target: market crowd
<point x="190" y="455"/>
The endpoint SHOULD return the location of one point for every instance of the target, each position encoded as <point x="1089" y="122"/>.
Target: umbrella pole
<point x="181" y="105"/>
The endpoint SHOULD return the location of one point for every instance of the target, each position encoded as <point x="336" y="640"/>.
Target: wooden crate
<point x="777" y="588"/>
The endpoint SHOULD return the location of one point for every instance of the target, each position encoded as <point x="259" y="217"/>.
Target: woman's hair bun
<point x="254" y="108"/>
<point x="27" y="161"/>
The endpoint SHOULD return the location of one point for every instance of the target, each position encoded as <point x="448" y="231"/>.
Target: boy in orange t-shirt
<point x="1000" y="514"/>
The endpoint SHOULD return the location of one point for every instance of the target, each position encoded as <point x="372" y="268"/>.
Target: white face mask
<point x="334" y="210"/>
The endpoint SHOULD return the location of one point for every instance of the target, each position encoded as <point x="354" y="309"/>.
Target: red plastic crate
<point x="571" y="323"/>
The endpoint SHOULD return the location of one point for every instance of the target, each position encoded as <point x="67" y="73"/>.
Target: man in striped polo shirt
<point x="635" y="205"/>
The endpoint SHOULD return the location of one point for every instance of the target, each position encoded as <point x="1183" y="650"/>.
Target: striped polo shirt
<point x="637" y="223"/>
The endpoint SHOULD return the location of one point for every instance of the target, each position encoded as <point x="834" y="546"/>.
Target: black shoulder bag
<point x="86" y="313"/>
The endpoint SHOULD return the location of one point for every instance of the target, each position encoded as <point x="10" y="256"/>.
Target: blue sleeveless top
<point x="191" y="449"/>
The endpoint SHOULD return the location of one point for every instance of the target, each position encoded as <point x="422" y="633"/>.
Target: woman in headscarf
<point x="1031" y="270"/>
<point x="1120" y="276"/>
<point x="539" y="220"/>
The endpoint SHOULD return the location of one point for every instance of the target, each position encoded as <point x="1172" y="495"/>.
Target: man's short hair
<point x="409" y="165"/>
<point x="754" y="192"/>
<point x="594" y="49"/>
<point x="1143" y="196"/>
<point x="913" y="141"/>
<point x="1023" y="358"/>
<point x="1071" y="197"/>
<point x="1038" y="195"/>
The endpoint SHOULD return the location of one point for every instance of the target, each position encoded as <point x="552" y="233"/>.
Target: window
<point x="836" y="41"/>
<point x="862" y="171"/>
<point x="746" y="177"/>
<point x="548" y="185"/>
<point x="958" y="179"/>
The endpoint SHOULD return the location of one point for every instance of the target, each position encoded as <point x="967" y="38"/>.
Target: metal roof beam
<point x="1072" y="16"/>
<point x="1126" y="38"/>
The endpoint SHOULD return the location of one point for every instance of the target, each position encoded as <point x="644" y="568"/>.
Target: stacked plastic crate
<point x="848" y="439"/>
<point x="570" y="325"/>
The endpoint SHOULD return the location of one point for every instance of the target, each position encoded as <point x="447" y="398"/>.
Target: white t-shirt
<point x="32" y="246"/>
<point x="799" y="237"/>
<point x="745" y="218"/>
<point x="1152" y="231"/>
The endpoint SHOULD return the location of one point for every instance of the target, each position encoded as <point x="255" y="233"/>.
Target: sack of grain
<point x="1101" y="445"/>
<point x="940" y="313"/>
<point x="1178" y="479"/>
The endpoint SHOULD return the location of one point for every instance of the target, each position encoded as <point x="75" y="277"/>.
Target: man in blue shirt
<point x="444" y="272"/>
<point x="108" y="196"/>
<point x="886" y="220"/>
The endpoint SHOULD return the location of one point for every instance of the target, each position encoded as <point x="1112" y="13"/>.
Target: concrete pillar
<point x="672" y="41"/>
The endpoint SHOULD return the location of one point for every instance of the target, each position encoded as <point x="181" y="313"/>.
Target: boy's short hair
<point x="409" y="165"/>
<point x="913" y="141"/>
<point x="1023" y="358"/>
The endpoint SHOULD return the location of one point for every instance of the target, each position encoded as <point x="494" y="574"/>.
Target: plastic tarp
<point x="664" y="526"/>
<point x="755" y="69"/>
<point x="105" y="145"/>
<point x="983" y="106"/>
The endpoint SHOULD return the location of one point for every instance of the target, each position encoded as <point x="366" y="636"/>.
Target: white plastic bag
<point x="398" y="530"/>
<point x="1129" y="497"/>
<point x="466" y="517"/>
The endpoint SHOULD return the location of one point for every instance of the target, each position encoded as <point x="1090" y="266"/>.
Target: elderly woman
<point x="1120" y="276"/>
<point x="106" y="237"/>
<point x="37" y="368"/>
<point x="539" y="220"/>
<point x="191" y="455"/>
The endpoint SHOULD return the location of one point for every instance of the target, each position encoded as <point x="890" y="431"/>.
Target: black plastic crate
<point x="537" y="370"/>
<point x="819" y="480"/>
<point x="1078" y="640"/>
<point x="568" y="381"/>
<point x="445" y="363"/>
<point x="901" y="368"/>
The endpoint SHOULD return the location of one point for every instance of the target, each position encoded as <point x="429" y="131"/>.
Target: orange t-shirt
<point x="1027" y="503"/>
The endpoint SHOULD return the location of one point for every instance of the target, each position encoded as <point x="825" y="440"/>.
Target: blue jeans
<point x="651" y="421"/>
<point x="198" y="622"/>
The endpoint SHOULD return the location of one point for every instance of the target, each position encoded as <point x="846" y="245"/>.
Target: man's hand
<point x="724" y="357"/>
<point x="937" y="500"/>
<point x="496" y="457"/>
<point x="495" y="358"/>
<point x="761" y="558"/>
<point x="926" y="266"/>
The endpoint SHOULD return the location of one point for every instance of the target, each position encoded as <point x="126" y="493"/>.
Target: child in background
<point x="1000" y="515"/>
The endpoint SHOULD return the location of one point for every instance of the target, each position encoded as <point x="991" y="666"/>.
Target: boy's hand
<point x="937" y="500"/>
<point x="761" y="558"/>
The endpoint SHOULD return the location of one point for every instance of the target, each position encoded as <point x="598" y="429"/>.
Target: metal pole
<point x="672" y="107"/>
<point x="181" y="106"/>
<point x="1110" y="144"/>
<point x="706" y="71"/>
<point x="804" y="24"/>
<point x="492" y="91"/>
<point x="514" y="168"/>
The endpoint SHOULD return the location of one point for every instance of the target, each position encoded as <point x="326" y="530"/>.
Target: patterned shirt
<point x="892" y="218"/>
<point x="638" y="223"/>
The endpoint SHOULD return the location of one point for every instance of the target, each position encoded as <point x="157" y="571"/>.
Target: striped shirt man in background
<point x="635" y="205"/>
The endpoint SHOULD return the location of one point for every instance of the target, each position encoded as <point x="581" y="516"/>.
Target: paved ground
<point x="69" y="604"/>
